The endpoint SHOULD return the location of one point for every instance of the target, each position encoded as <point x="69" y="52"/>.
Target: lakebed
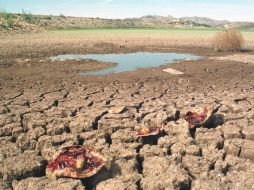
<point x="47" y="105"/>
<point x="126" y="62"/>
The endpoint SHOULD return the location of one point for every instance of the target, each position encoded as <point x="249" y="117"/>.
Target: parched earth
<point x="46" y="106"/>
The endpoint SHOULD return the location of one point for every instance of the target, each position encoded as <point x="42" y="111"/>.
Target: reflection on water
<point x="128" y="61"/>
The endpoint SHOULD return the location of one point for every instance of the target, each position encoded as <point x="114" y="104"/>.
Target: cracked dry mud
<point x="218" y="157"/>
<point x="38" y="119"/>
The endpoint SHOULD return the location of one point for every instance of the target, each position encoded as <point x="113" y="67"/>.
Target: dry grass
<point x="7" y="20"/>
<point x="166" y="39"/>
<point x="228" y="40"/>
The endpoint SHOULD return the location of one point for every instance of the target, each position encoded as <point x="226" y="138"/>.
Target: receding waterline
<point x="128" y="61"/>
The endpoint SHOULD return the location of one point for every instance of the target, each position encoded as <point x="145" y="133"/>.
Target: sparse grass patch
<point x="8" y="19"/>
<point x="28" y="17"/>
<point x="228" y="40"/>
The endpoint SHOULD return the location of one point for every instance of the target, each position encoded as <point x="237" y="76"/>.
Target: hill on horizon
<point x="195" y="19"/>
<point x="9" y="21"/>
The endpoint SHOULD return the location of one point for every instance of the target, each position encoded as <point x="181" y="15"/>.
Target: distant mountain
<point x="245" y="25"/>
<point x="170" y="20"/>
<point x="171" y="17"/>
<point x="217" y="23"/>
<point x="187" y="21"/>
<point x="152" y="21"/>
<point x="207" y="21"/>
<point x="153" y="18"/>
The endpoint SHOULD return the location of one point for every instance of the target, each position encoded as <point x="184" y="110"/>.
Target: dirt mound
<point x="11" y="24"/>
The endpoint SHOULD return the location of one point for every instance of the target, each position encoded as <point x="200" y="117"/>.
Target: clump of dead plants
<point x="228" y="40"/>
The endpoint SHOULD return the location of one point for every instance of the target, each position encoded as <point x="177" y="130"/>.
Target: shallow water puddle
<point x="128" y="61"/>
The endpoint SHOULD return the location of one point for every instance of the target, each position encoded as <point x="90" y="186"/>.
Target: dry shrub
<point x="228" y="40"/>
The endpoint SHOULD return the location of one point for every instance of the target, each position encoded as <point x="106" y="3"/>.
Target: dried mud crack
<point x="44" y="108"/>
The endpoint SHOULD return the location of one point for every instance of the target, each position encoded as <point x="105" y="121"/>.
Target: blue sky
<point x="234" y="10"/>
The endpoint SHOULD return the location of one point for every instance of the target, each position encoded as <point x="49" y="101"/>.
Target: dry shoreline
<point x="44" y="107"/>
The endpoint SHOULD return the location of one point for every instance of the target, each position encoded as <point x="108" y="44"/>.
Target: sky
<point x="233" y="10"/>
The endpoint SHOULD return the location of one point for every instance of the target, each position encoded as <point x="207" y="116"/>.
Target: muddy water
<point x="128" y="61"/>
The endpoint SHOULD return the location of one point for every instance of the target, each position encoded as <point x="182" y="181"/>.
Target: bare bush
<point x="228" y="40"/>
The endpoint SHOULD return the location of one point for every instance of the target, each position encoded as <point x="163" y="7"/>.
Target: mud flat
<point x="45" y="106"/>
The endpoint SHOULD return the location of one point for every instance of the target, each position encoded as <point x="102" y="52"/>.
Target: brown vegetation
<point x="228" y="40"/>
